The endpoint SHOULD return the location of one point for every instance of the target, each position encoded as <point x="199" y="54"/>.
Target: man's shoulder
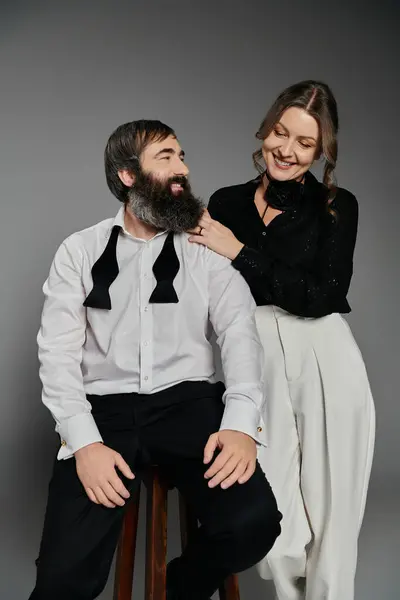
<point x="85" y="238"/>
<point x="201" y="255"/>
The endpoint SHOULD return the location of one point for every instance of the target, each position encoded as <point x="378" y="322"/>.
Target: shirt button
<point x="146" y="308"/>
<point x="63" y="443"/>
<point x="259" y="429"/>
<point x="264" y="233"/>
<point x="146" y="378"/>
<point x="145" y="343"/>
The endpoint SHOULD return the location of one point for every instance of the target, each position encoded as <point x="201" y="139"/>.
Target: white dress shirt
<point x="142" y="347"/>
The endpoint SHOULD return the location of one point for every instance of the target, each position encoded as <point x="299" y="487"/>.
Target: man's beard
<point x="153" y="202"/>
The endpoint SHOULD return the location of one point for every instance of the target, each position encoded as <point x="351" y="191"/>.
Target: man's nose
<point x="180" y="168"/>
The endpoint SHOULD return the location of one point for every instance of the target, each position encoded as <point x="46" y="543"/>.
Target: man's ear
<point x="126" y="177"/>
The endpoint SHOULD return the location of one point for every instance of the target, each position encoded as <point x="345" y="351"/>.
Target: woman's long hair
<point x="318" y="100"/>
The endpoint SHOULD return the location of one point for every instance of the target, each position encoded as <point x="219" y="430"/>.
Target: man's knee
<point x="253" y="529"/>
<point x="256" y="531"/>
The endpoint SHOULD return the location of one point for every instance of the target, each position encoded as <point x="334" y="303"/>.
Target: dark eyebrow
<point x="303" y="137"/>
<point x="169" y="151"/>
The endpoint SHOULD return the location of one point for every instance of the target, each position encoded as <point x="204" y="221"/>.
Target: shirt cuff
<point x="242" y="416"/>
<point x="77" y="432"/>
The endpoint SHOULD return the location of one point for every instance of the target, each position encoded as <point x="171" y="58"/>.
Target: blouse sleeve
<point x="306" y="292"/>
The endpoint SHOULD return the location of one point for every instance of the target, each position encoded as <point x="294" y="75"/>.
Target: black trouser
<point x="238" y="525"/>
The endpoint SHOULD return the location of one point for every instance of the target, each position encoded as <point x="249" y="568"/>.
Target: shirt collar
<point x="120" y="222"/>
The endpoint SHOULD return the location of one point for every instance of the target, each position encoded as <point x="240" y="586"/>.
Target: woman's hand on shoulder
<point x="216" y="237"/>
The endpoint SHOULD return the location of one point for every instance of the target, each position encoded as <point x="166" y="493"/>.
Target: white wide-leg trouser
<point x="320" y="427"/>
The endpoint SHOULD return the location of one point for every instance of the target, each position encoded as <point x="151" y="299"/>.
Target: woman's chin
<point x="285" y="174"/>
<point x="280" y="174"/>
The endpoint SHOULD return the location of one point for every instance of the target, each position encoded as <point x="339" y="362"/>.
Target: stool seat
<point x="156" y="542"/>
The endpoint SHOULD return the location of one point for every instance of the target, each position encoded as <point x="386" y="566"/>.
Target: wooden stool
<point x="156" y="543"/>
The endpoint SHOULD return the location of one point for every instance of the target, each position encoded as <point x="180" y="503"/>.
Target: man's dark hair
<point x="124" y="148"/>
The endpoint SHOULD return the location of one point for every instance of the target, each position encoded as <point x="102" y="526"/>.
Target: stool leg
<point x="156" y="539"/>
<point x="229" y="590"/>
<point x="126" y="552"/>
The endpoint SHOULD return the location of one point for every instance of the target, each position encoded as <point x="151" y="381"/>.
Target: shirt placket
<point x="146" y="319"/>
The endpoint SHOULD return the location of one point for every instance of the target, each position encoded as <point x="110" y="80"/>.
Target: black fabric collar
<point x="315" y="192"/>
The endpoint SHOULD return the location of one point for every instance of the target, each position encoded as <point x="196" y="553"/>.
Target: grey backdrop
<point x="70" y="72"/>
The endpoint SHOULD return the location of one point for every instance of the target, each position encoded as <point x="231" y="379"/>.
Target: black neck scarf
<point x="283" y="195"/>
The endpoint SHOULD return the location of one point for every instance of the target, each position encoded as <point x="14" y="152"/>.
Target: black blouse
<point x="303" y="260"/>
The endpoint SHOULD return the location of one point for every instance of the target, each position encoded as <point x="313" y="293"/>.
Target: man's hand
<point x="235" y="463"/>
<point x="95" y="465"/>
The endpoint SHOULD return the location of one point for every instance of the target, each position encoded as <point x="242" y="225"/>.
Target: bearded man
<point x="128" y="374"/>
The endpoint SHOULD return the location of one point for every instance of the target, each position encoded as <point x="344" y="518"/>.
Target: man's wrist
<point x="84" y="449"/>
<point x="237" y="431"/>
